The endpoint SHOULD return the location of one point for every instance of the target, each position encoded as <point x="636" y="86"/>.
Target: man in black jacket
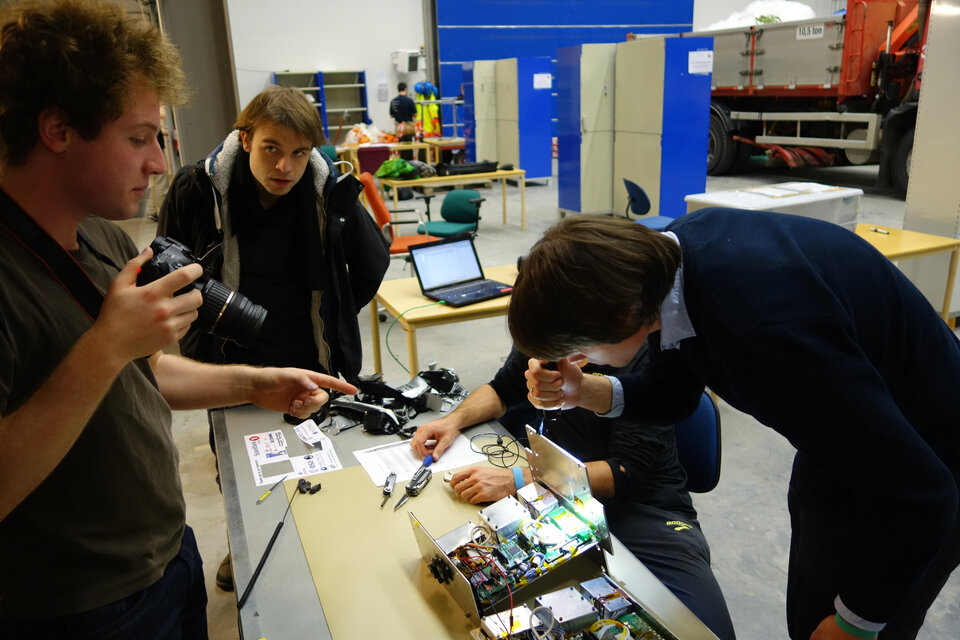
<point x="293" y="236"/>
<point x="288" y="232"/>
<point x="810" y="330"/>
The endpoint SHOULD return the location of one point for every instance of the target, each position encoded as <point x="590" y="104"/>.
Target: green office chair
<point x="460" y="212"/>
<point x="330" y="151"/>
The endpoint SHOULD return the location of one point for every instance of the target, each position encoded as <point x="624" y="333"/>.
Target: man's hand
<point x="138" y="321"/>
<point x="549" y="389"/>
<point x="483" y="484"/>
<point x="434" y="437"/>
<point x="294" y="391"/>
<point x="828" y="630"/>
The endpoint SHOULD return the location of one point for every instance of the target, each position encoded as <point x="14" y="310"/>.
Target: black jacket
<point x="354" y="254"/>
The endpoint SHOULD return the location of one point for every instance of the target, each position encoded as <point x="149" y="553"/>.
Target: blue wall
<point x="496" y="29"/>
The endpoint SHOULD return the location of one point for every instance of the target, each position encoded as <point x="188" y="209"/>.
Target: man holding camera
<point x="92" y="515"/>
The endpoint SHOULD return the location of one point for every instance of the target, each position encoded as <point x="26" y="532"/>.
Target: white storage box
<point x="824" y="202"/>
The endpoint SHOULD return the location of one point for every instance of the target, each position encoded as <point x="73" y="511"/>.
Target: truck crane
<point x="822" y="91"/>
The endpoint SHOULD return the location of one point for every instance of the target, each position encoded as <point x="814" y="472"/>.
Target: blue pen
<point x="427" y="461"/>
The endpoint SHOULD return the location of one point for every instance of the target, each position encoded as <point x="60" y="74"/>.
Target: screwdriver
<point x="270" y="490"/>
<point x="388" y="488"/>
<point x="548" y="416"/>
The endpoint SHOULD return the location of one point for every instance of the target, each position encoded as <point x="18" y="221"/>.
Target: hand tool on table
<point x="270" y="490"/>
<point x="388" y="488"/>
<point x="417" y="482"/>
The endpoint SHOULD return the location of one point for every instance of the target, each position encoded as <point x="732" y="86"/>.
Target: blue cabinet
<point x="662" y="119"/>
<point x="508" y="104"/>
<point x="585" y="127"/>
<point x="524" y="87"/>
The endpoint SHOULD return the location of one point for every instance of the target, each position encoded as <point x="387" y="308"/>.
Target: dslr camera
<point x="225" y="313"/>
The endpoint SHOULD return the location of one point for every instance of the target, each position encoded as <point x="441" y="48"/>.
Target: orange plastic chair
<point x="399" y="245"/>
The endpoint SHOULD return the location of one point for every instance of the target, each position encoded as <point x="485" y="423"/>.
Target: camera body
<point x="225" y="313"/>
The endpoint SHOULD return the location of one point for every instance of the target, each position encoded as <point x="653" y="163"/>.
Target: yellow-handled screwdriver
<point x="264" y="496"/>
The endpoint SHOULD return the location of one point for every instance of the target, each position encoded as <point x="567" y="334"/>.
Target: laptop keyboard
<point x="469" y="289"/>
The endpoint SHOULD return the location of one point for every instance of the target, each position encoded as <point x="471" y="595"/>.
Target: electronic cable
<point x="534" y="618"/>
<point x="386" y="338"/>
<point x="266" y="552"/>
<point x="605" y="627"/>
<point x="499" y="454"/>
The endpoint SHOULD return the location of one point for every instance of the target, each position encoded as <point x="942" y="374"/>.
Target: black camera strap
<point x="63" y="266"/>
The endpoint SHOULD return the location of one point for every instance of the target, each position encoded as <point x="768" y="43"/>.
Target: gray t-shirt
<point x="108" y="519"/>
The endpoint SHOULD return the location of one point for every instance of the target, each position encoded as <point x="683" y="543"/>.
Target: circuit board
<point x="498" y="562"/>
<point x="594" y="610"/>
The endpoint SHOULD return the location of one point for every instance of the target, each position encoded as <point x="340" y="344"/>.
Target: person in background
<point x="633" y="470"/>
<point x="289" y="233"/>
<point x="92" y="513"/>
<point x="804" y="326"/>
<point x="403" y="110"/>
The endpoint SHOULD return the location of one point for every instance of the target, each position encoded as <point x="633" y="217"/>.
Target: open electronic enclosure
<point x="553" y="534"/>
<point x="543" y="548"/>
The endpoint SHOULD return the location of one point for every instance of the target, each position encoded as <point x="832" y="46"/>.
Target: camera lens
<point x="229" y="314"/>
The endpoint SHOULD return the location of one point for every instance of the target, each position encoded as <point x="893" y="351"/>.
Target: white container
<point x="824" y="202"/>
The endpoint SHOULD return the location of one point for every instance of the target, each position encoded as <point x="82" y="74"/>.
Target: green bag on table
<point x="396" y="168"/>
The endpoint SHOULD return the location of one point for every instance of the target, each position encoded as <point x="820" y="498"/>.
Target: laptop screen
<point x="445" y="263"/>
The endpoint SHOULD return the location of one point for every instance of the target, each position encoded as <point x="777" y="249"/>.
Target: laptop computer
<point x="450" y="270"/>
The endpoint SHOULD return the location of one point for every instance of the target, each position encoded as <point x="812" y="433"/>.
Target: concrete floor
<point x="745" y="518"/>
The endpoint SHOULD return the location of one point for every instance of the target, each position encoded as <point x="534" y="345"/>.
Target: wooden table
<point x="349" y="152"/>
<point x="900" y="244"/>
<point x="468" y="178"/>
<point x="438" y="144"/>
<point x="402" y="295"/>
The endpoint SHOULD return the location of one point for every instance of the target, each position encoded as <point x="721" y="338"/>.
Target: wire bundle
<point x="503" y="453"/>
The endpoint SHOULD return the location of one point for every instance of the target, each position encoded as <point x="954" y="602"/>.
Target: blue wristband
<point x="518" y="481"/>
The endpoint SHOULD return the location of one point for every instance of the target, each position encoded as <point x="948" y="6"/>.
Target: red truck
<point x="822" y="91"/>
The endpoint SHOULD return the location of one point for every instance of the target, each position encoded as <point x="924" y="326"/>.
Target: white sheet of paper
<point x="400" y="458"/>
<point x="271" y="447"/>
<point x="542" y="81"/>
<point x="700" y="62"/>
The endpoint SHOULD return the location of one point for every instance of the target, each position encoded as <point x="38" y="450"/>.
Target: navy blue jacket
<point x="804" y="326"/>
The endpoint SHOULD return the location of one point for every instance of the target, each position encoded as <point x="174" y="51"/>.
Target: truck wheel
<point x="721" y="149"/>
<point x="900" y="164"/>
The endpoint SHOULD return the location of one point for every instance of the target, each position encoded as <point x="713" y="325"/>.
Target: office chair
<point x="639" y="204"/>
<point x="399" y="245"/>
<point x="698" y="446"/>
<point x="460" y="212"/>
<point x="330" y="151"/>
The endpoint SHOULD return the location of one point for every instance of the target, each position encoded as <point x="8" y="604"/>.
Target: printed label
<point x="809" y="32"/>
